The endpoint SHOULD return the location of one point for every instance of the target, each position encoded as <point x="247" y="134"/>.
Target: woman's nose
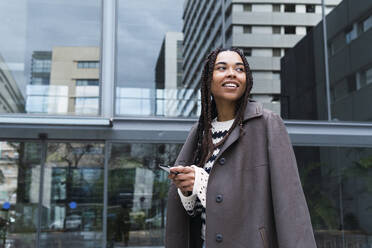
<point x="231" y="72"/>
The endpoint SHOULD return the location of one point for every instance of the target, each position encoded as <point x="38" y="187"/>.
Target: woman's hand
<point x="185" y="178"/>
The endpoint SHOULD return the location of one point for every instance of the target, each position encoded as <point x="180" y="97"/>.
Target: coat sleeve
<point x="292" y="219"/>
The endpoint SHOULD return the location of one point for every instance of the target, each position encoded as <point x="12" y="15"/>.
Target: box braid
<point x="204" y="144"/>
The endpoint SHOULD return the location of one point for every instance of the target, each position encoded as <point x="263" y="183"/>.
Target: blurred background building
<point x="11" y="98"/>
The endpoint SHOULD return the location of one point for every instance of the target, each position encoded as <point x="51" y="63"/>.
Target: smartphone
<point x="167" y="169"/>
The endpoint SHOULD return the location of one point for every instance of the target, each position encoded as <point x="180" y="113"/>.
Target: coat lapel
<point x="252" y="110"/>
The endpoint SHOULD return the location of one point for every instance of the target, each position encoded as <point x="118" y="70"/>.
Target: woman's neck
<point x="225" y="111"/>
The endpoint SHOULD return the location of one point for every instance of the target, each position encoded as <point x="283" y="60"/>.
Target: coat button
<point x="219" y="238"/>
<point x="222" y="161"/>
<point x="219" y="198"/>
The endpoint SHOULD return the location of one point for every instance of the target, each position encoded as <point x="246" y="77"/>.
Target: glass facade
<point x="137" y="194"/>
<point x="20" y="170"/>
<point x="337" y="185"/>
<point x="149" y="61"/>
<point x="95" y="94"/>
<point x="55" y="44"/>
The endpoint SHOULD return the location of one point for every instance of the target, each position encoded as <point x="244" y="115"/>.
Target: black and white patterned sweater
<point x="196" y="203"/>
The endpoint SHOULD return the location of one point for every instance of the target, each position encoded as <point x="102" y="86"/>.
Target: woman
<point x="235" y="183"/>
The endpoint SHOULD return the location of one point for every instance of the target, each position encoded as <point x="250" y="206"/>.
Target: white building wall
<point x="262" y="8"/>
<point x="262" y="29"/>
<point x="300" y="8"/>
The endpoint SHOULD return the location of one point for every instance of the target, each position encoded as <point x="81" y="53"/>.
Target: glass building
<point x="95" y="94"/>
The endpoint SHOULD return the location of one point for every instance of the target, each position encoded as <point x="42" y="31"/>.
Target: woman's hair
<point x="204" y="144"/>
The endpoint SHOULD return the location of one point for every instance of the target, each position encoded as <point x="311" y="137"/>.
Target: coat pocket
<point x="264" y="237"/>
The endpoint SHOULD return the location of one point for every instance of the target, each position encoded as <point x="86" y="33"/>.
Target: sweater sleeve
<point x="188" y="202"/>
<point x="200" y="184"/>
<point x="199" y="191"/>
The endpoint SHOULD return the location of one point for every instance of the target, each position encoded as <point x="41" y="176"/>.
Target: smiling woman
<point x="253" y="153"/>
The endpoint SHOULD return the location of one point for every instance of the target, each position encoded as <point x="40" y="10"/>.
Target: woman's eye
<point x="240" y="69"/>
<point x="221" y="68"/>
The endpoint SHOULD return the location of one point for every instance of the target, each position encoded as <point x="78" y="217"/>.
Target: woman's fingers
<point x="182" y="169"/>
<point x="183" y="177"/>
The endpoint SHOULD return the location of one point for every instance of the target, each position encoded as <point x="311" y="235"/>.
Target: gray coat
<point x="254" y="194"/>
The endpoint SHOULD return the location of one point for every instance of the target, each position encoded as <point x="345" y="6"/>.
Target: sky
<point x="39" y="25"/>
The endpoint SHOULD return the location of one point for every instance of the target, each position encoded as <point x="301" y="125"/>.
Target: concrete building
<point x="64" y="81"/>
<point x="11" y="98"/>
<point x="263" y="29"/>
<point x="349" y="29"/>
<point x="349" y="35"/>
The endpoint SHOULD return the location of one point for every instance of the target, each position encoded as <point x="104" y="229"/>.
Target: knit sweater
<point x="195" y="204"/>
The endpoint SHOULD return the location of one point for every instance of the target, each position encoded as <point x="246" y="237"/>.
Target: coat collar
<point x="252" y="110"/>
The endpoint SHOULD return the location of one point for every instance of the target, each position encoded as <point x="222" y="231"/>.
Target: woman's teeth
<point x="230" y="85"/>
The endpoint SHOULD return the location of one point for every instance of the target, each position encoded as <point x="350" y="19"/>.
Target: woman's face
<point x="229" y="77"/>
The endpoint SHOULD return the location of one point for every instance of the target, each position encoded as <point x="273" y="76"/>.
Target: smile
<point x="230" y="85"/>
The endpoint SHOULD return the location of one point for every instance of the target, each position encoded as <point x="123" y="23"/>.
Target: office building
<point x="262" y="29"/>
<point x="304" y="89"/>
<point x="349" y="29"/>
<point x="11" y="97"/>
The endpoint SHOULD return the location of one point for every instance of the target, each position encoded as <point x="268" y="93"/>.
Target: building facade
<point x="11" y="97"/>
<point x="264" y="30"/>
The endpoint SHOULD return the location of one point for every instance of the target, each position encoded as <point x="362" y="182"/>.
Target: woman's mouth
<point x="230" y="85"/>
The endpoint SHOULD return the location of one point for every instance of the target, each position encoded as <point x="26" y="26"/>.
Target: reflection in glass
<point x="43" y="60"/>
<point x="338" y="187"/>
<point x="150" y="61"/>
<point x="19" y="193"/>
<point x="72" y="201"/>
<point x="137" y="194"/>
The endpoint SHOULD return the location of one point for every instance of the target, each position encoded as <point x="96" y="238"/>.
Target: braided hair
<point x="204" y="144"/>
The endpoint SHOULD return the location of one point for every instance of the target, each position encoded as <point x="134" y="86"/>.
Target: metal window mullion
<point x="108" y="58"/>
<point x="328" y="94"/>
<point x="105" y="193"/>
<point x="41" y="186"/>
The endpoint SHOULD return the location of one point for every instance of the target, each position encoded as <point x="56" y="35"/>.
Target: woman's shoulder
<point x="256" y="109"/>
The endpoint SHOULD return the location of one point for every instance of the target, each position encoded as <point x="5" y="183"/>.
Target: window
<point x="337" y="43"/>
<point x="41" y="65"/>
<point x="247" y="51"/>
<point x="277" y="52"/>
<point x="367" y="23"/>
<point x="247" y="29"/>
<point x="351" y="83"/>
<point x="40" y="81"/>
<point x="310" y="8"/>
<point x="364" y="78"/>
<point x="290" y="29"/>
<point x="247" y="7"/>
<point x="87" y="82"/>
<point x="276" y="7"/>
<point x="276" y="29"/>
<point x="289" y="7"/>
<point x="351" y="34"/>
<point x="308" y="29"/>
<point x="88" y="64"/>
